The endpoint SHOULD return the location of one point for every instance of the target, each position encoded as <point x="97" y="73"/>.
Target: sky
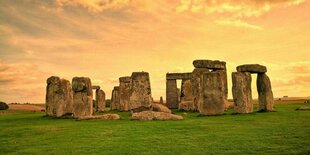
<point x="107" y="39"/>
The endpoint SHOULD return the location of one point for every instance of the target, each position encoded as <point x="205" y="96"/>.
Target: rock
<point x="265" y="94"/>
<point x="140" y="109"/>
<point x="172" y="97"/>
<point x="108" y="103"/>
<point x="96" y="87"/>
<point x="152" y="115"/>
<point x="105" y="117"/>
<point x="197" y="87"/>
<point x="161" y="100"/>
<point x="124" y="93"/>
<point x="59" y="97"/>
<point x="303" y="108"/>
<point x="213" y="94"/>
<point x="252" y="68"/>
<point x="159" y="108"/>
<point x="186" y="106"/>
<point x="141" y="90"/>
<point x="242" y="92"/>
<point x="100" y="100"/>
<point x="187" y="97"/>
<point x="175" y="76"/>
<point x="210" y="64"/>
<point x="82" y="96"/>
<point x="4" y="106"/>
<point x="115" y="99"/>
<point x="224" y="80"/>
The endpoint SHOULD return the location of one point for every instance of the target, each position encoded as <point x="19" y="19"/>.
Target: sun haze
<point x="107" y="39"/>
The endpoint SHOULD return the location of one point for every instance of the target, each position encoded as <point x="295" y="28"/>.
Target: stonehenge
<point x="203" y="90"/>
<point x="241" y="89"/>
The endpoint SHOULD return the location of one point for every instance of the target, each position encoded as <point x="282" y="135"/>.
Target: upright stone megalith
<point x="82" y="96"/>
<point x="213" y="94"/>
<point x="186" y="97"/>
<point x="197" y="87"/>
<point x="242" y="92"/>
<point x="172" y="99"/>
<point x="115" y="98"/>
<point x="124" y="93"/>
<point x="100" y="100"/>
<point x="141" y="90"/>
<point x="58" y="97"/>
<point x="265" y="95"/>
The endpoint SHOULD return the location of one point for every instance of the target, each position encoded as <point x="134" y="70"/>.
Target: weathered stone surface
<point x="210" y="64"/>
<point x="224" y="79"/>
<point x="242" y="92"/>
<point x="100" y="100"/>
<point x="115" y="99"/>
<point x="303" y="108"/>
<point x="159" y="108"/>
<point x="213" y="94"/>
<point x="197" y="87"/>
<point x="59" y="99"/>
<point x="252" y="68"/>
<point x="153" y="115"/>
<point x="124" y="93"/>
<point x="95" y="87"/>
<point x="172" y="97"/>
<point x="140" y="109"/>
<point x="104" y="117"/>
<point x="186" y="97"/>
<point x="175" y="76"/>
<point x="141" y="90"/>
<point x="82" y="96"/>
<point x="265" y="95"/>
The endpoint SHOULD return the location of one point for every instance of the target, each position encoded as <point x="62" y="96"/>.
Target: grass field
<point x="283" y="132"/>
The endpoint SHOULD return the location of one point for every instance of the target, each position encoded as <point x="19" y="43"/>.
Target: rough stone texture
<point x="265" y="95"/>
<point x="196" y="86"/>
<point x="172" y="96"/>
<point x="242" y="92"/>
<point x="100" y="100"/>
<point x="82" y="96"/>
<point x="104" y="117"/>
<point x="140" y="109"/>
<point x="252" y="68"/>
<point x="159" y="108"/>
<point x="186" y="97"/>
<point x="141" y="90"/>
<point x="224" y="79"/>
<point x="59" y="99"/>
<point x="152" y="115"/>
<point x="161" y="100"/>
<point x="175" y="76"/>
<point x="210" y="64"/>
<point x="115" y="99"/>
<point x="124" y="93"/>
<point x="213" y="94"/>
<point x="303" y="108"/>
<point x="95" y="87"/>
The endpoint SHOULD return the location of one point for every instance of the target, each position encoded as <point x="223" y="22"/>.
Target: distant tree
<point x="3" y="106"/>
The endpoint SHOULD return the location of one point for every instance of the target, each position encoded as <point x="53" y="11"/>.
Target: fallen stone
<point x="105" y="117"/>
<point x="159" y="108"/>
<point x="152" y="115"/>
<point x="210" y="64"/>
<point x="242" y="92"/>
<point x="186" y="106"/>
<point x="252" y="68"/>
<point x="140" y="109"/>
<point x="303" y="108"/>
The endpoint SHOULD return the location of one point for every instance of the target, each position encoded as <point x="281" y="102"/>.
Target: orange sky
<point x="106" y="39"/>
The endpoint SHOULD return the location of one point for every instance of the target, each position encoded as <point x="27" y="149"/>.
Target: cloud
<point x="238" y="23"/>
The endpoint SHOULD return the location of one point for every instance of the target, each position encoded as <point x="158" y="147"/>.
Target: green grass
<point x="283" y="132"/>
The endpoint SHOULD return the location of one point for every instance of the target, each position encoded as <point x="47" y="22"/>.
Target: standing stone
<point x="82" y="96"/>
<point x="224" y="79"/>
<point x="161" y="100"/>
<point x="58" y="97"/>
<point x="265" y="95"/>
<point x="213" y="94"/>
<point x="172" y="99"/>
<point x="187" y="98"/>
<point x="242" y="92"/>
<point x="115" y="99"/>
<point x="141" y="90"/>
<point x="100" y="100"/>
<point x="196" y="86"/>
<point x="124" y="93"/>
